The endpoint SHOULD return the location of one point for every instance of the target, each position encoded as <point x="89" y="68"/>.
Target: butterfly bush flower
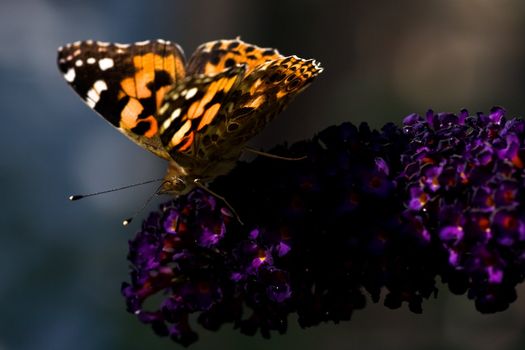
<point x="367" y="212"/>
<point x="465" y="182"/>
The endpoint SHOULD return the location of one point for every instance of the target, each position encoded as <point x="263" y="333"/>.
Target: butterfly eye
<point x="175" y="185"/>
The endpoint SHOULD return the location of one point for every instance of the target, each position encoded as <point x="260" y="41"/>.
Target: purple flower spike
<point x="476" y="215"/>
<point x="367" y="212"/>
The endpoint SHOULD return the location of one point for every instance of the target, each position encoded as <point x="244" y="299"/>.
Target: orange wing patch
<point x="152" y="129"/>
<point x="198" y="107"/>
<point x="142" y="86"/>
<point x="130" y="114"/>
<point x="208" y="116"/>
<point x="146" y="67"/>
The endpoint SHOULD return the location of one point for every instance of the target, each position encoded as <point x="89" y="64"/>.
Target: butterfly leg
<point x="269" y="155"/>
<point x="200" y="185"/>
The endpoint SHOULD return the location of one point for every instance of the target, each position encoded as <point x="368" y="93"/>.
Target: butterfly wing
<point x="216" y="56"/>
<point x="208" y="118"/>
<point x="125" y="83"/>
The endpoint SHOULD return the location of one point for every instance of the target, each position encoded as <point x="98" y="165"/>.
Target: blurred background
<point x="62" y="263"/>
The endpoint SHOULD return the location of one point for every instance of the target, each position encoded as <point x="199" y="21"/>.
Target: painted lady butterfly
<point x="197" y="115"/>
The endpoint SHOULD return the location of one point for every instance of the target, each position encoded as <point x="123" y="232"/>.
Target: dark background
<point x="61" y="263"/>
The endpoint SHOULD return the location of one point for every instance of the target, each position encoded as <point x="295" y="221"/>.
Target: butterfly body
<point x="198" y="115"/>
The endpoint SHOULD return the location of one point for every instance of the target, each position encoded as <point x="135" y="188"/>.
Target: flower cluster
<point x="464" y="178"/>
<point x="367" y="211"/>
<point x="191" y="251"/>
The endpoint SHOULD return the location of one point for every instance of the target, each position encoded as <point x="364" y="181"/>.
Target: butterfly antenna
<point x="76" y="197"/>
<point x="127" y="221"/>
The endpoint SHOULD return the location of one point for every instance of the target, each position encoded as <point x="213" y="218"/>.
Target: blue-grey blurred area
<point x="61" y="263"/>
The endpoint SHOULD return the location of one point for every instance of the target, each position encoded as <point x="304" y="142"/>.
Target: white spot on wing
<point x="164" y="108"/>
<point x="91" y="103"/>
<point x="91" y="60"/>
<point x="142" y="43"/>
<point x="105" y="63"/>
<point x="102" y="43"/>
<point x="70" y="75"/>
<point x="79" y="63"/>
<point x="122" y="46"/>
<point x="190" y="93"/>
<point x="99" y="86"/>
<point x="93" y="95"/>
<point x="175" y="114"/>
<point x="166" y="124"/>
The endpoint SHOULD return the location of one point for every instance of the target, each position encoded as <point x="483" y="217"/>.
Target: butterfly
<point x="197" y="115"/>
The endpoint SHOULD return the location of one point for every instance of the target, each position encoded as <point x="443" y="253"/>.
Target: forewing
<point x="125" y="83"/>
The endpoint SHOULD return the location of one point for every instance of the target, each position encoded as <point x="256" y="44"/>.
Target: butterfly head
<point x="176" y="186"/>
<point x="176" y="181"/>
